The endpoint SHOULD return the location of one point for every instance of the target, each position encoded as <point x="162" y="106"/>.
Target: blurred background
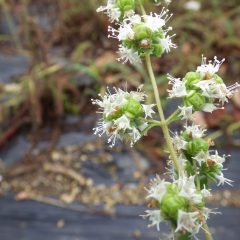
<point x="58" y="180"/>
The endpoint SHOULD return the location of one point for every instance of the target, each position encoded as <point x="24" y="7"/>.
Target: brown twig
<point x="57" y="203"/>
<point x="56" y="168"/>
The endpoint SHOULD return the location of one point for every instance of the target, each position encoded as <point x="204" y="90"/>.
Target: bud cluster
<point x="143" y="35"/>
<point x="123" y="115"/>
<point x="193" y="150"/>
<point x="202" y="90"/>
<point x="179" y="203"/>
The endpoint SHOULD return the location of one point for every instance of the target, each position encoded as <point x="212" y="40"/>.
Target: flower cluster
<point x="123" y="115"/>
<point x="143" y="35"/>
<point x="203" y="89"/>
<point x="194" y="165"/>
<point x="180" y="203"/>
<point x="193" y="151"/>
<point x="116" y="10"/>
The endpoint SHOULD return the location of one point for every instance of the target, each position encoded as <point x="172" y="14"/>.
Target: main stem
<point x="207" y="232"/>
<point x="162" y="117"/>
<point x="166" y="133"/>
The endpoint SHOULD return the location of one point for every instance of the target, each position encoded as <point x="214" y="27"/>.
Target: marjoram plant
<point x="192" y="164"/>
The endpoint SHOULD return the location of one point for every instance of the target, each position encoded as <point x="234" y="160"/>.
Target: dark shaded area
<point x="32" y="220"/>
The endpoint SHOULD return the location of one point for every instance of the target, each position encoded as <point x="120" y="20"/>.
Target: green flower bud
<point x="172" y="188"/>
<point x="117" y="113"/>
<point x="157" y="50"/>
<point x="157" y="35"/>
<point x="217" y="78"/>
<point x="126" y="5"/>
<point x="170" y="205"/>
<point x="186" y="136"/>
<point x="189" y="168"/>
<point x="196" y="100"/>
<point x="196" y="146"/>
<point x="129" y="44"/>
<point x="133" y="108"/>
<point x="203" y="181"/>
<point x="211" y="171"/>
<point x="192" y="78"/>
<point x="142" y="32"/>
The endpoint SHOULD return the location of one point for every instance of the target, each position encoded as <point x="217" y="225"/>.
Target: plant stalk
<point x="164" y="126"/>
<point x="162" y="117"/>
<point x="207" y="232"/>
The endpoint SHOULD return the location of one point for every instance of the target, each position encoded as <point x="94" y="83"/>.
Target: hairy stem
<point x="162" y="117"/>
<point x="207" y="232"/>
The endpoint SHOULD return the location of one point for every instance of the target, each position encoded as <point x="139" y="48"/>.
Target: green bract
<point x="145" y="41"/>
<point x="192" y="78"/>
<point x="126" y="5"/>
<point x="210" y="172"/>
<point x="133" y="107"/>
<point x="217" y="78"/>
<point x="141" y="32"/>
<point x="170" y="205"/>
<point x="118" y="112"/>
<point x="196" y="100"/>
<point x="196" y="146"/>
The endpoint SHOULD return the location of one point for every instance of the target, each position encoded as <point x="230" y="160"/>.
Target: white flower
<point x="116" y="122"/>
<point x="178" y="143"/>
<point x="167" y="43"/>
<point x="178" y="87"/>
<point x="143" y="126"/>
<point x="188" y="221"/>
<point x="124" y="32"/>
<point x="201" y="157"/>
<point x="217" y="158"/>
<point x="110" y="102"/>
<point x="138" y="95"/>
<point x="223" y="180"/>
<point x="188" y="190"/>
<point x="123" y="123"/>
<point x="211" y="67"/>
<point x="186" y="112"/>
<point x="128" y="54"/>
<point x="148" y="110"/>
<point x="111" y="10"/>
<point x="158" y="2"/>
<point x="195" y="131"/>
<point x="207" y="211"/>
<point x="205" y="193"/>
<point x="135" y="135"/>
<point x="209" y="107"/>
<point x="155" y="21"/>
<point x="192" y="5"/>
<point x="167" y="1"/>
<point x="133" y="19"/>
<point x="216" y="91"/>
<point x="157" y="189"/>
<point x="155" y="217"/>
